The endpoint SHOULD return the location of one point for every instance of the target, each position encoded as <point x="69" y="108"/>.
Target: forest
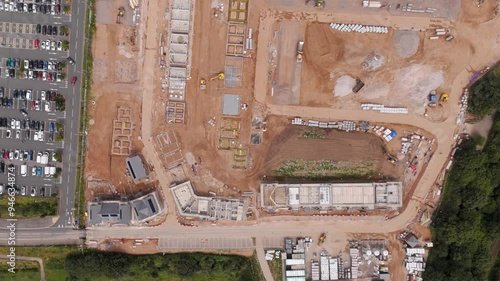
<point x="466" y="227"/>
<point x="485" y="93"/>
<point x="94" y="265"/>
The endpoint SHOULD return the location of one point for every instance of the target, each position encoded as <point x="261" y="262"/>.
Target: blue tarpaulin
<point x="393" y="134"/>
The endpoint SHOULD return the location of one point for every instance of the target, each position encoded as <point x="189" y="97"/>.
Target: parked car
<point x="73" y="80"/>
<point x="33" y="191"/>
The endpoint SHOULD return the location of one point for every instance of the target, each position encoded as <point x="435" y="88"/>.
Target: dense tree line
<point x="467" y="222"/>
<point x="485" y="94"/>
<point x="94" y="265"/>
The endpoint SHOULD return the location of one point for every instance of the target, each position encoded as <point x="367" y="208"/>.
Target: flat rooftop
<point x="331" y="195"/>
<point x="231" y="105"/>
<point x="207" y="208"/>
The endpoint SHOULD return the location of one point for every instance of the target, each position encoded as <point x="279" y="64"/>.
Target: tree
<point x="58" y="156"/>
<point x="66" y="9"/>
<point x="65" y="45"/>
<point x="58" y="173"/>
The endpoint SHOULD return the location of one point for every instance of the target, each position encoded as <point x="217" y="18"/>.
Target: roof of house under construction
<point x="328" y="195"/>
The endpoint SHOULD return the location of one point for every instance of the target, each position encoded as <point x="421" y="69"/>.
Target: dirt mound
<point x="323" y="47"/>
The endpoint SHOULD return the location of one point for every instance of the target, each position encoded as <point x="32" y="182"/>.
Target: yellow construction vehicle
<point x="319" y="4"/>
<point x="119" y="16"/>
<point x="444" y="97"/>
<point x="219" y="76"/>
<point x="321" y="239"/>
<point x="203" y="84"/>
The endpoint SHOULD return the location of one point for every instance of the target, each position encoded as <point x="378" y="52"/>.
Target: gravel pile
<point x="406" y="43"/>
<point x="344" y="86"/>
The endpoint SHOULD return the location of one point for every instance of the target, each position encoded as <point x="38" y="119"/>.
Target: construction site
<point x="218" y="124"/>
<point x="246" y="110"/>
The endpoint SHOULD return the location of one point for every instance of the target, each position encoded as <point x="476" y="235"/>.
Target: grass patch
<point x="90" y="29"/>
<point x="276" y="267"/>
<point x="53" y="260"/>
<point x="313" y="135"/>
<point x="324" y="169"/>
<point x="29" y="207"/>
<point x="25" y="271"/>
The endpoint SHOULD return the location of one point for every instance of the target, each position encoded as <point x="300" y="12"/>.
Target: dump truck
<point x="359" y="85"/>
<point x="300" y="51"/>
<point x="321" y="239"/>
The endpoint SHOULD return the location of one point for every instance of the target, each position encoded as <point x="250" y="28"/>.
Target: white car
<point x="44" y="76"/>
<point x="37" y="105"/>
<point x="26" y="64"/>
<point x="12" y="123"/>
<point x="25" y="8"/>
<point x="30" y="74"/>
<point x="29" y="94"/>
<point x="8" y="134"/>
<point x="58" y="77"/>
<point x="16" y="154"/>
<point x="42" y="45"/>
<point x="18" y="134"/>
<point x="40" y="135"/>
<point x="59" y="46"/>
<point x="47" y="44"/>
<point x="25" y="74"/>
<point x="33" y="191"/>
<point x="42" y="95"/>
<point x="47" y="107"/>
<point x="33" y="171"/>
<point x="53" y="44"/>
<point x="18" y="124"/>
<point x="50" y="65"/>
<point x="35" y="9"/>
<point x="23" y="190"/>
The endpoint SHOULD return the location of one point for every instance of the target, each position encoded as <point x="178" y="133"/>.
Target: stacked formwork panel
<point x="178" y="46"/>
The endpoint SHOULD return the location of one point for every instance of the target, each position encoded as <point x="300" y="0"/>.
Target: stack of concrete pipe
<point x="351" y="27"/>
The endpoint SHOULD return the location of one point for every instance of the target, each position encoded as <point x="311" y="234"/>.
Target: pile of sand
<point x="416" y="81"/>
<point x="406" y="43"/>
<point x="344" y="86"/>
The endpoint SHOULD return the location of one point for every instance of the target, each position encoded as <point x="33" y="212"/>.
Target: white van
<point x="47" y="171"/>
<point x="24" y="170"/>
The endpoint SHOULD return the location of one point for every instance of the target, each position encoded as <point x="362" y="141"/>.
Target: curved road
<point x="40" y="263"/>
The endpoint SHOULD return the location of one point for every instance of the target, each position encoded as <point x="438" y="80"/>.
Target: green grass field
<point x="29" y="207"/>
<point x="25" y="271"/>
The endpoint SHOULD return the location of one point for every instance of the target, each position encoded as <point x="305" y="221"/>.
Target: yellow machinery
<point x="119" y="16"/>
<point x="319" y="4"/>
<point x="444" y="97"/>
<point x="203" y="84"/>
<point x="219" y="76"/>
<point x="321" y="239"/>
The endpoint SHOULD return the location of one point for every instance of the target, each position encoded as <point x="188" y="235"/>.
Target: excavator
<point x="121" y="13"/>
<point x="321" y="239"/>
<point x="203" y="81"/>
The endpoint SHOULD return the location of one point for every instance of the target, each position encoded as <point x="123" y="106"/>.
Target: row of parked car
<point x="48" y="45"/>
<point x="24" y="190"/>
<point x="50" y="7"/>
<point x="22" y="124"/>
<point x="35" y="64"/>
<point x="27" y="94"/>
<point x="49" y="30"/>
<point x="27" y="155"/>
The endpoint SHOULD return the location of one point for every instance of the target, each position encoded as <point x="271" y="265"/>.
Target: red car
<point x="73" y="80"/>
<point x="49" y="77"/>
<point x="36" y="43"/>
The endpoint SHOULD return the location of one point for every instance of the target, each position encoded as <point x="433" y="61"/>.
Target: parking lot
<point x="34" y="43"/>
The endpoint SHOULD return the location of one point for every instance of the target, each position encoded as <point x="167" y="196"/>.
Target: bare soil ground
<point x="335" y="146"/>
<point x="114" y="85"/>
